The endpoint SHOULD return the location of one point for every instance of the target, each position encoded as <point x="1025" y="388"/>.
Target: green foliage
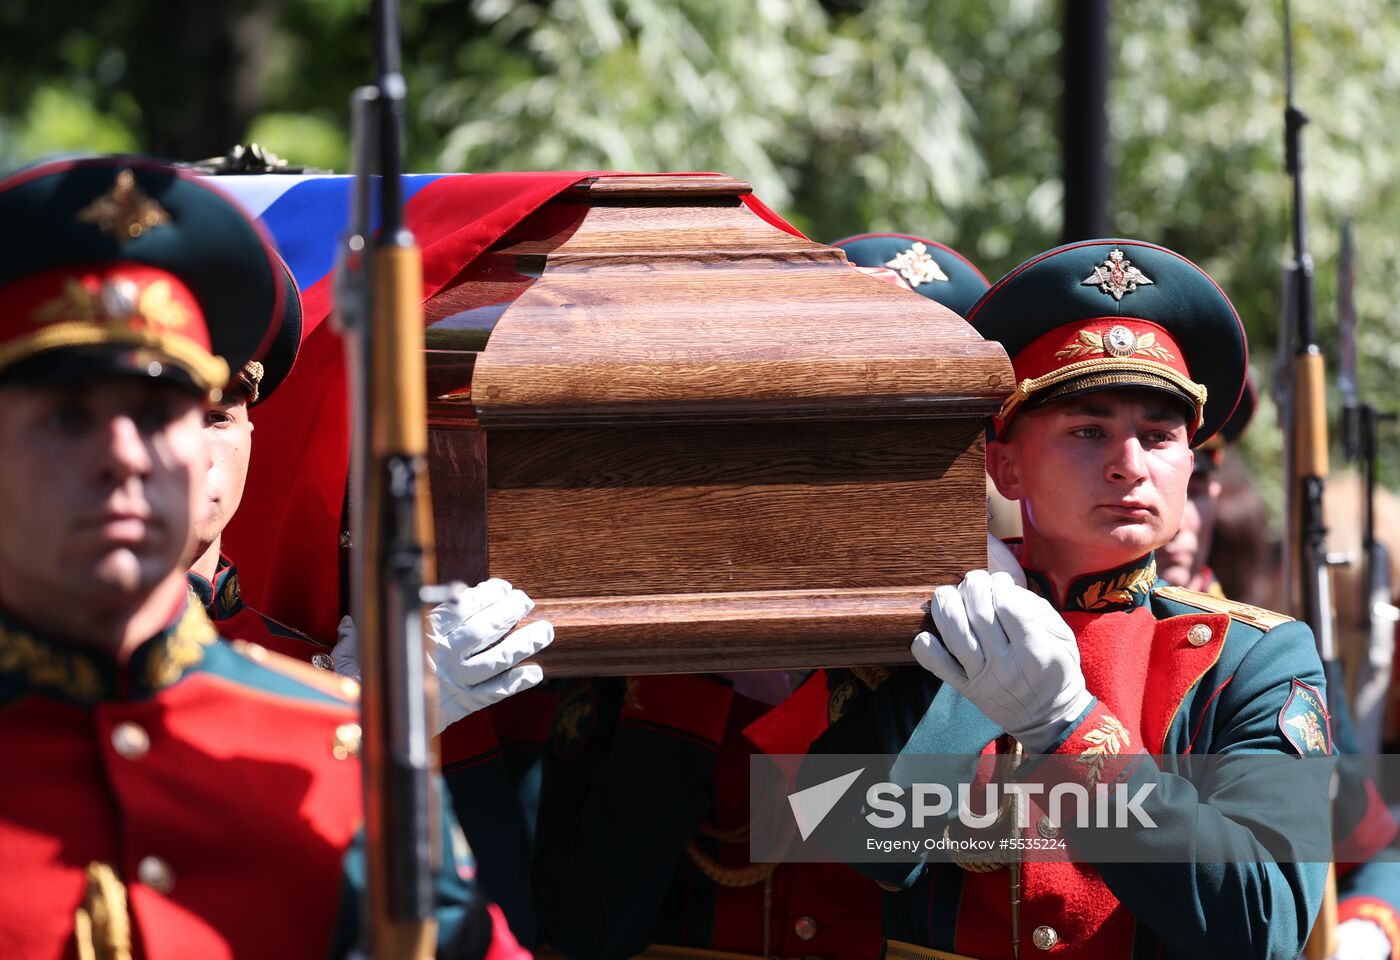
<point x="60" y="120"/>
<point x="312" y="140"/>
<point x="931" y="116"/>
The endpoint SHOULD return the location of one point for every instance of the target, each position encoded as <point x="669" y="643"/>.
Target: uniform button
<point x="130" y="740"/>
<point x="1199" y="635"/>
<point x="805" y="928"/>
<point x="1044" y="937"/>
<point x="156" y="874"/>
<point x="322" y="661"/>
<point x="1047" y="828"/>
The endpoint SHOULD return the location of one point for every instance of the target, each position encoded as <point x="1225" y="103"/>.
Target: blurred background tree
<point x="930" y="116"/>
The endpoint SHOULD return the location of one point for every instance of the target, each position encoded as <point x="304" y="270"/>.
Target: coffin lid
<point x="668" y="299"/>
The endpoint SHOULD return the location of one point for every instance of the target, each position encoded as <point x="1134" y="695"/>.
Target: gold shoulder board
<point x="1265" y="620"/>
<point x="323" y="680"/>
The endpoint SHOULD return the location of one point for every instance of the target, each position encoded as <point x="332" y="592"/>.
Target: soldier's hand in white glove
<point x="345" y="655"/>
<point x="475" y="650"/>
<point x="1010" y="653"/>
<point x="1359" y="939"/>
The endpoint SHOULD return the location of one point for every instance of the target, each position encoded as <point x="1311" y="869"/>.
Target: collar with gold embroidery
<point x="1122" y="588"/>
<point x="30" y="664"/>
<point x="224" y="597"/>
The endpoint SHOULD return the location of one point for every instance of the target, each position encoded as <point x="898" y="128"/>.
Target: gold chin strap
<point x="101" y="925"/>
<point x="1106" y="374"/>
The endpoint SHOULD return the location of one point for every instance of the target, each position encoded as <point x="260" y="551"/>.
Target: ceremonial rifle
<point x="1361" y="424"/>
<point x="379" y="298"/>
<point x="1305" y="545"/>
<point x="1308" y="417"/>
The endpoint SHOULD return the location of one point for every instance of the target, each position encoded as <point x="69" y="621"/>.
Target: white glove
<point x="473" y="669"/>
<point x="1359" y="939"/>
<point x="345" y="655"/>
<point x="1010" y="653"/>
<point x="1000" y="559"/>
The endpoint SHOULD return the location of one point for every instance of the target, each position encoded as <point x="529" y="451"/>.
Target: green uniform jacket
<point x="1173" y="672"/>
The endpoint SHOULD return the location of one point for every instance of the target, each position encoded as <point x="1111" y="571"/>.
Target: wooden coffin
<point x="699" y="442"/>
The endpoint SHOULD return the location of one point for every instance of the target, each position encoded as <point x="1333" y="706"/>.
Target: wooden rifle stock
<point x="392" y="529"/>
<point x="400" y="808"/>
<point x="1308" y="456"/>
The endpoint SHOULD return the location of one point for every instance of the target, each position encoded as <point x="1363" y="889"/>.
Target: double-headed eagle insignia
<point x="125" y="211"/>
<point x="917" y="266"/>
<point x="1116" y="276"/>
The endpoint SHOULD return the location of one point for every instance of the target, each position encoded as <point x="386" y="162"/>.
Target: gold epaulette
<point x="1258" y="617"/>
<point x="325" y="681"/>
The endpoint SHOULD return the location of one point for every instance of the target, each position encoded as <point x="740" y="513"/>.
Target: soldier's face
<point x="230" y="436"/>
<point x="100" y="486"/>
<point x="1101" y="478"/>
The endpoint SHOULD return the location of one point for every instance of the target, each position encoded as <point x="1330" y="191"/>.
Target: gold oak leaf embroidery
<point x="1088" y="342"/>
<point x="76" y="303"/>
<point x="1106" y="740"/>
<point x="1147" y="343"/>
<point x="570" y="720"/>
<point x="42" y="664"/>
<point x="1103" y="593"/>
<point x="840" y="698"/>
<point x="160" y="308"/>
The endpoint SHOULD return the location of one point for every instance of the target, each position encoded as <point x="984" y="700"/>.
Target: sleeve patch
<point x="1304" y="723"/>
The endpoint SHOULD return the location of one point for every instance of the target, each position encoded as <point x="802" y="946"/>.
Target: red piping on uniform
<point x="1203" y="713"/>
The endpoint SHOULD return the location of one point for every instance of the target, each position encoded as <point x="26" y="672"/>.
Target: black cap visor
<point x="70" y="365"/>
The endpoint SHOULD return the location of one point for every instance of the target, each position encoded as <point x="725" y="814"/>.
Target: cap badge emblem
<point x="917" y="266"/>
<point x="118" y="303"/>
<point x="125" y="211"/>
<point x="1116" y="276"/>
<point x="1118" y="342"/>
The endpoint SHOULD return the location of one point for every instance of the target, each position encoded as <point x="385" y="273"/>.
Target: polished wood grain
<point x="700" y="442"/>
<point x="457" y="481"/>
<point x="758" y="507"/>
<point x="711" y="311"/>
<point x="696" y="633"/>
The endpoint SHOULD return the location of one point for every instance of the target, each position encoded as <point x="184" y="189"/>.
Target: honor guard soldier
<point x="213" y="576"/>
<point x="169" y="795"/>
<point x="1126" y="356"/>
